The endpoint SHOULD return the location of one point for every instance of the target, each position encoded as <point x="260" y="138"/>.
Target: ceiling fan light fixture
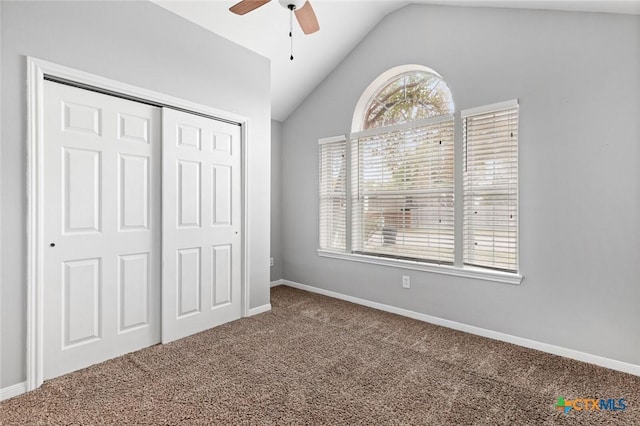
<point x="297" y="4"/>
<point x="301" y="8"/>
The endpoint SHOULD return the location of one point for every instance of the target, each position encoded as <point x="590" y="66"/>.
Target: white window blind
<point x="333" y="198"/>
<point x="402" y="191"/>
<point x="490" y="187"/>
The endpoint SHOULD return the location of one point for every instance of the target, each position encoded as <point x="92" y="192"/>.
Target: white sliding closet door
<point x="201" y="232"/>
<point x="101" y="248"/>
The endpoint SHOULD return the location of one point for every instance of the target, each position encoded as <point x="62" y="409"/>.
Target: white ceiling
<point x="342" y="25"/>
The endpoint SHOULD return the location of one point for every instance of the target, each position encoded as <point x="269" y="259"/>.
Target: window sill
<point x="467" y="272"/>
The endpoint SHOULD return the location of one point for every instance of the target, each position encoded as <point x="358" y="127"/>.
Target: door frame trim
<point x="37" y="71"/>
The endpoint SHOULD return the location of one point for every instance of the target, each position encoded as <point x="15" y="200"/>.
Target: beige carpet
<point x="316" y="360"/>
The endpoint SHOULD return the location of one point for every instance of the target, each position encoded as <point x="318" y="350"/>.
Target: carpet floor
<point x="317" y="360"/>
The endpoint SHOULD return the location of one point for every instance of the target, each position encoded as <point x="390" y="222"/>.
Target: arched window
<point x="400" y="95"/>
<point x="403" y="167"/>
<point x="387" y="189"/>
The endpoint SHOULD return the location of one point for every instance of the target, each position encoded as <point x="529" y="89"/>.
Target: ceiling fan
<point x="302" y="8"/>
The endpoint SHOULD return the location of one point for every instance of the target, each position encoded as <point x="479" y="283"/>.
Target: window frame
<point x="330" y="142"/>
<point x="441" y="122"/>
<point x="455" y="270"/>
<point x="458" y="269"/>
<point x="378" y="83"/>
<point x="482" y="110"/>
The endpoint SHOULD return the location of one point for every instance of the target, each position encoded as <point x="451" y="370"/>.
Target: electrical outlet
<point x="271" y="261"/>
<point x="406" y="281"/>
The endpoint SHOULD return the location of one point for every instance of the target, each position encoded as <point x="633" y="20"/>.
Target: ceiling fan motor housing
<point x="297" y="4"/>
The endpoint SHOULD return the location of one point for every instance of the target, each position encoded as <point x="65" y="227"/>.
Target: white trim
<point x="402" y="126"/>
<point x="35" y="89"/>
<point x="1" y="192"/>
<point x="613" y="364"/>
<point x="489" y="108"/>
<point x="467" y="271"/>
<point x="259" y="310"/>
<point x="246" y="264"/>
<point x="276" y="283"/>
<point x="36" y="71"/>
<point x="13" y="390"/>
<point x="332" y="139"/>
<point x="73" y="75"/>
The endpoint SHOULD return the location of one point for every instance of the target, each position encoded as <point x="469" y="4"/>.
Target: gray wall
<point x="137" y="43"/>
<point x="276" y="199"/>
<point x="577" y="76"/>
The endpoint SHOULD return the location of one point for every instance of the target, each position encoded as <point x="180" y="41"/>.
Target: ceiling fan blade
<point x="307" y="19"/>
<point x="246" y="6"/>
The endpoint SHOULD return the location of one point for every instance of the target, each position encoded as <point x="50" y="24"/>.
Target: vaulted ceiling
<point x="343" y="23"/>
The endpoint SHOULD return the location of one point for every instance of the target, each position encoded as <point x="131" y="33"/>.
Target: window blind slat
<point x="490" y="188"/>
<point x="333" y="198"/>
<point x="402" y="193"/>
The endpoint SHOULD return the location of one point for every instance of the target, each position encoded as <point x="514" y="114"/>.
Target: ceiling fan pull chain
<point x="291" y="30"/>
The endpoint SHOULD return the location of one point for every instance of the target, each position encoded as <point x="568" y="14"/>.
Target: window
<point x="402" y="191"/>
<point x="491" y="187"/>
<point x="402" y="170"/>
<point x="333" y="197"/>
<point x="406" y="97"/>
<point x="387" y="191"/>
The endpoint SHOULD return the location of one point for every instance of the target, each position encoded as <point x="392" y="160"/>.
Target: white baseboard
<point x="276" y="283"/>
<point x="520" y="341"/>
<point x="259" y="310"/>
<point x="14" y="390"/>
